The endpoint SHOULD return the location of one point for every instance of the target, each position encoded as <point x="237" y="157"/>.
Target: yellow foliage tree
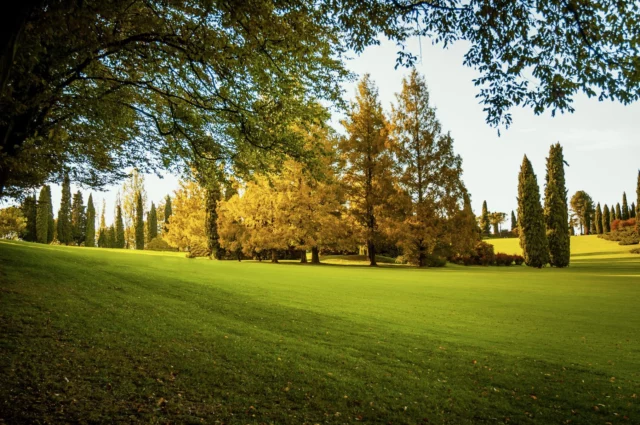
<point x="186" y="230"/>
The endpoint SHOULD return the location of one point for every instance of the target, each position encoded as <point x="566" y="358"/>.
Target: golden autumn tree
<point x="368" y="165"/>
<point x="431" y="174"/>
<point x="186" y="230"/>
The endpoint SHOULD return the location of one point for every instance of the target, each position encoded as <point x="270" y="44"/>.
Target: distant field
<point x="112" y="336"/>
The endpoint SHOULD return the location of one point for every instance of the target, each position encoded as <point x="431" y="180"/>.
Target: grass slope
<point x="111" y="336"/>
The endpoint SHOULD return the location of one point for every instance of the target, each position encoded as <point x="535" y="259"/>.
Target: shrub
<point x="503" y="259"/>
<point x="435" y="261"/>
<point x="484" y="254"/>
<point x="629" y="240"/>
<point x="619" y="224"/>
<point x="198" y="250"/>
<point x="159" y="244"/>
<point x="518" y="259"/>
<point x="635" y="251"/>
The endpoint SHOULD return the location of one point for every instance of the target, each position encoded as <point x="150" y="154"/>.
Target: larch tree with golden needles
<point x="186" y="230"/>
<point x="368" y="170"/>
<point x="431" y="173"/>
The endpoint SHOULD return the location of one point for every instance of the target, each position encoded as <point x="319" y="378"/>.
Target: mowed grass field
<point x="110" y="336"/>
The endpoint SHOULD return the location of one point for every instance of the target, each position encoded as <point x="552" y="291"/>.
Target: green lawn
<point x="111" y="336"/>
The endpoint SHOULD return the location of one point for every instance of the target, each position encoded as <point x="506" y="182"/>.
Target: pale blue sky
<point x="601" y="139"/>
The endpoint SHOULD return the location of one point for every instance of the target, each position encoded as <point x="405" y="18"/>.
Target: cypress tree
<point x="29" y="210"/>
<point x="612" y="215"/>
<point x="139" y="224"/>
<point x="42" y="215"/>
<point x="599" y="227"/>
<point x="606" y="219"/>
<point x="51" y="224"/>
<point x="618" y="212"/>
<point x="531" y="223"/>
<point x="167" y="210"/>
<point x="152" y="223"/>
<point x="514" y="221"/>
<point x="485" y="223"/>
<point x="119" y="227"/>
<point x="65" y="234"/>
<point x="90" y="229"/>
<point x="625" y="207"/>
<point x="111" y="237"/>
<point x="556" y="211"/>
<point x="78" y="219"/>
<point x="632" y="210"/>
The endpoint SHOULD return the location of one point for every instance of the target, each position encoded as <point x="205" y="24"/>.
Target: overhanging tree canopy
<point x="95" y="86"/>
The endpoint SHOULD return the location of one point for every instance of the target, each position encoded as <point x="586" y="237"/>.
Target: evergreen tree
<point x="606" y="219"/>
<point x="514" y="221"/>
<point x="531" y="226"/>
<point x="632" y="210"/>
<point x="430" y="174"/>
<point x="139" y="222"/>
<point x="152" y="223"/>
<point x="120" y="238"/>
<point x="51" y="232"/>
<point x="485" y="222"/>
<point x="598" y="220"/>
<point x="111" y="237"/>
<point x="42" y="215"/>
<point x="29" y="210"/>
<point x="612" y="215"/>
<point x="102" y="230"/>
<point x="618" y="212"/>
<point x="65" y="234"/>
<point x="90" y="229"/>
<point x="625" y="207"/>
<point x="167" y="211"/>
<point x="78" y="219"/>
<point x="556" y="211"/>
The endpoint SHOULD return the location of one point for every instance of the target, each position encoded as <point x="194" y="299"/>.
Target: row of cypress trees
<point x="544" y="233"/>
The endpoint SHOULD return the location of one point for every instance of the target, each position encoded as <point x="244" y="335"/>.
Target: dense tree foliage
<point x="368" y="159"/>
<point x="514" y="221"/>
<point x="139" y="221"/>
<point x="12" y="222"/>
<point x="625" y="207"/>
<point x="78" y="219"/>
<point x="65" y="232"/>
<point x="485" y="220"/>
<point x="496" y="218"/>
<point x="531" y="220"/>
<point x="167" y="211"/>
<point x="556" y="211"/>
<point x="81" y="83"/>
<point x="582" y="207"/>
<point x="606" y="219"/>
<point x="598" y="220"/>
<point x="618" y="212"/>
<point x="43" y="218"/>
<point x="29" y="211"/>
<point x="90" y="230"/>
<point x="430" y="172"/>
<point x="152" y="223"/>
<point x="119" y="227"/>
<point x="186" y="229"/>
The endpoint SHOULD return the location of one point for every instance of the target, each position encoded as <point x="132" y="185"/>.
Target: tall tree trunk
<point x="371" y="252"/>
<point x="274" y="256"/>
<point x="303" y="256"/>
<point x="315" y="255"/>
